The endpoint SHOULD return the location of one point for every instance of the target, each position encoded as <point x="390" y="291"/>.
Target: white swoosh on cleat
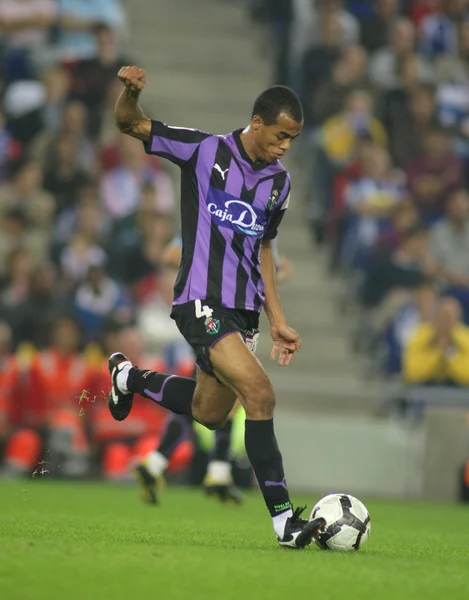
<point x="115" y="397"/>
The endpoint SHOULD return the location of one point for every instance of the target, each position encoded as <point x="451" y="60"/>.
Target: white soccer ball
<point x="348" y="522"/>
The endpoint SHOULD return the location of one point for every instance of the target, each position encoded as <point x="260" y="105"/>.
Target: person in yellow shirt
<point x="438" y="351"/>
<point x="340" y="133"/>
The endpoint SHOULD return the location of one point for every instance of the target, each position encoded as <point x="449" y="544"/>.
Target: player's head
<point x="277" y="119"/>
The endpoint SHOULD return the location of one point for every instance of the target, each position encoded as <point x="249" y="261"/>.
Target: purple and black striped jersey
<point x="229" y="204"/>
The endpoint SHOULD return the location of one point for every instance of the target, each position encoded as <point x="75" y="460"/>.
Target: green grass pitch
<point x="89" y="541"/>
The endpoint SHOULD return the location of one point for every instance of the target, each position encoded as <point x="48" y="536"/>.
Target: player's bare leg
<point x="241" y="372"/>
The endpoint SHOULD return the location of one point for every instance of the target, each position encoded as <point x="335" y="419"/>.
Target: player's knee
<point x="260" y="401"/>
<point x="207" y="416"/>
<point x="209" y="420"/>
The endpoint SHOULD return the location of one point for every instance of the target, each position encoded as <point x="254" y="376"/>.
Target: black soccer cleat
<point x="119" y="404"/>
<point x="299" y="533"/>
<point x="228" y="493"/>
<point x="149" y="485"/>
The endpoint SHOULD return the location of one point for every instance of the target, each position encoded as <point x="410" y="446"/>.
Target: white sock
<point x="219" y="471"/>
<point x="279" y="522"/>
<point x="156" y="463"/>
<point x="122" y="376"/>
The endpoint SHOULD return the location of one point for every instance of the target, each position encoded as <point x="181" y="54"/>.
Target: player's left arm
<point x="286" y="339"/>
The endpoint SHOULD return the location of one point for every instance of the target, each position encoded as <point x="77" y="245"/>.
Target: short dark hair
<point x="275" y="100"/>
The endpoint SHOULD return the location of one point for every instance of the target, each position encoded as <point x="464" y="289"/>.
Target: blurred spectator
<point x="92" y="77"/>
<point x="309" y="24"/>
<point x="47" y="414"/>
<point x="452" y="99"/>
<point x="46" y="299"/>
<point x="64" y="177"/>
<point x="369" y="201"/>
<point x="78" y="20"/>
<point x="334" y="148"/>
<point x="318" y="61"/>
<point x="15" y="236"/>
<point x="23" y="103"/>
<point x="122" y="186"/>
<point x="419" y="307"/>
<point x="432" y="176"/>
<point x="59" y="376"/>
<point x="408" y="130"/>
<point x="340" y="133"/>
<point x="336" y="215"/>
<point x="87" y="218"/>
<point x="24" y="192"/>
<point x="419" y="9"/>
<point x="98" y="297"/>
<point x="25" y="25"/>
<point x="348" y="73"/>
<point x="395" y="102"/>
<point x="438" y="351"/>
<point x="15" y="285"/>
<point x="139" y="243"/>
<point x="403" y="216"/>
<point x="450" y="248"/>
<point x="453" y="67"/>
<point x="56" y="81"/>
<point x="374" y="32"/>
<point x="384" y="72"/>
<point x="405" y="268"/>
<point x="78" y="255"/>
<point x="439" y="31"/>
<point x="73" y="121"/>
<point x="279" y="14"/>
<point x="21" y="444"/>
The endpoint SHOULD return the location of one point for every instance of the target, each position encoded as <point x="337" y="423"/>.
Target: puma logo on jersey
<point x="217" y="167"/>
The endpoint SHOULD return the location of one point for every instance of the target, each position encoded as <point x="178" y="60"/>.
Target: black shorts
<point x="203" y="324"/>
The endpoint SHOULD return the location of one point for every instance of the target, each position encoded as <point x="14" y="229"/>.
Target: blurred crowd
<point x="385" y="86"/>
<point x="85" y="218"/>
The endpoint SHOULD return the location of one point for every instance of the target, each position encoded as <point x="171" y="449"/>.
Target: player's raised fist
<point x="134" y="78"/>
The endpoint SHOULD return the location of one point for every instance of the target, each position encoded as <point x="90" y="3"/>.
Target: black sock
<point x="170" y="391"/>
<point x="266" y="461"/>
<point x="178" y="428"/>
<point x="222" y="447"/>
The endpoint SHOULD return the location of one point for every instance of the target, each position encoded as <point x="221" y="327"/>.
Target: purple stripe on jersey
<point x="234" y="186"/>
<point x="234" y="180"/>
<point x="180" y="150"/>
<point x="196" y="286"/>
<point x="246" y="261"/>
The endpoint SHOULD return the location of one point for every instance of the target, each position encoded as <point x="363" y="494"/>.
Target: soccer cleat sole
<point x="224" y="495"/>
<point x="148" y="485"/>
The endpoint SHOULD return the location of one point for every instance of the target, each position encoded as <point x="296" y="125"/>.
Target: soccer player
<point x="234" y="193"/>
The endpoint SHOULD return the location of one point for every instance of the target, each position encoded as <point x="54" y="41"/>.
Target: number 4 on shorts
<point x="202" y="311"/>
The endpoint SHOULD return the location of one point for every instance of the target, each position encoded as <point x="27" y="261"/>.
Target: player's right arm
<point x="129" y="115"/>
<point x="177" y="144"/>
